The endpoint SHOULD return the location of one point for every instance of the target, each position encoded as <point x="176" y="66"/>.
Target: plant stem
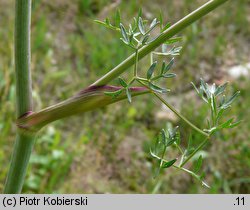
<point x="156" y="78"/>
<point x="136" y="62"/>
<point x="196" y="150"/>
<point x="179" y="148"/>
<point x="24" y="143"/>
<point x="163" y="154"/>
<point x="174" y="110"/>
<point x="19" y="162"/>
<point x="213" y="110"/>
<point x="162" y="159"/>
<point x="191" y="173"/>
<point x="142" y="79"/>
<point x="151" y="58"/>
<point x="167" y="34"/>
<point x="22" y="56"/>
<point x="180" y="115"/>
<point x="87" y="100"/>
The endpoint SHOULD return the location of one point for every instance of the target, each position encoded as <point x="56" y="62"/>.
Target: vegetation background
<point x="107" y="151"/>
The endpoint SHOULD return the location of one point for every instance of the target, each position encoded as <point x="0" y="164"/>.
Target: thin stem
<point x="182" y="169"/>
<point x="142" y="79"/>
<point x="212" y="116"/>
<point x="213" y="110"/>
<point x="24" y="143"/>
<point x="189" y="172"/>
<point x="163" y="154"/>
<point x="180" y="115"/>
<point x="151" y="58"/>
<point x="167" y="34"/>
<point x="179" y="148"/>
<point x="156" y="78"/>
<point x="131" y="81"/>
<point x="136" y="40"/>
<point x="195" y="151"/>
<point x="161" y="53"/>
<point x="192" y="174"/>
<point x="182" y="159"/>
<point x="175" y="111"/>
<point x="162" y="159"/>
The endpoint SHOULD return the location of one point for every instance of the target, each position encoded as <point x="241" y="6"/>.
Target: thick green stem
<point x="19" y="162"/>
<point x="87" y="100"/>
<point x="170" y="32"/>
<point x="24" y="143"/>
<point x="136" y="63"/>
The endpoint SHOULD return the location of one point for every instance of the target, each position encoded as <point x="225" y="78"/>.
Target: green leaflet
<point x="157" y="88"/>
<point x="151" y="70"/>
<point x="141" y="26"/>
<point x="168" y="164"/>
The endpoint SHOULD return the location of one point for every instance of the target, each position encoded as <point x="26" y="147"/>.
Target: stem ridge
<point x="24" y="143"/>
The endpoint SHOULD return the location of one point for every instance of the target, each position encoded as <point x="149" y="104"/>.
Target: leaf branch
<point x="166" y="35"/>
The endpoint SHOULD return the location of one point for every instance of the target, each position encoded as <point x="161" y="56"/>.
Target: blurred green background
<point x="106" y="151"/>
